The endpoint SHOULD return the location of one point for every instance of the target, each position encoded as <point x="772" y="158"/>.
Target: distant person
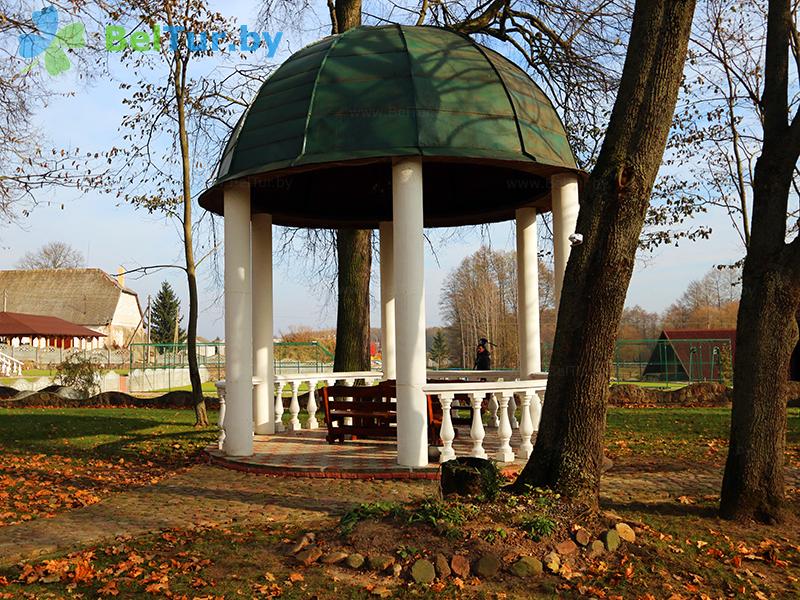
<point x="483" y="358"/>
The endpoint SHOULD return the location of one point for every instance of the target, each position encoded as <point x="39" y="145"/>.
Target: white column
<point x="409" y="252"/>
<point x="263" y="401"/>
<point x="564" y="193"/>
<point x="388" y="343"/>
<point x="238" y="323"/>
<point x="530" y="345"/>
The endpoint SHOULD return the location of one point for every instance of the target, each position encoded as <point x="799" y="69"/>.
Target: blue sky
<point x="112" y="234"/>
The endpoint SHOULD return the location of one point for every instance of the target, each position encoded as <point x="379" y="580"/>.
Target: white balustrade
<point x="504" y="452"/>
<point x="504" y="397"/>
<point x="512" y="412"/>
<point x="536" y="409"/>
<point x="10" y="367"/>
<point x="221" y="419"/>
<point x="447" y="432"/>
<point x="505" y="393"/>
<point x="477" y="432"/>
<point x="311" y="406"/>
<point x="453" y="375"/>
<point x="295" y="382"/>
<point x="526" y="424"/>
<point x="279" y="406"/>
<point x="294" y="408"/>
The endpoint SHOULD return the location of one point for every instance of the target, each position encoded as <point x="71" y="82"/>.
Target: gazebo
<point x="393" y="128"/>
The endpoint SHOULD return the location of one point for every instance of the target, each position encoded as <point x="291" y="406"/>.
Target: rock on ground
<point x="423" y="571"/>
<point x="487" y="566"/>
<point x="527" y="566"/>
<point x="610" y="540"/>
<point x="355" y="561"/>
<point x="625" y="532"/>
<point x="460" y="565"/>
<point x="442" y="567"/>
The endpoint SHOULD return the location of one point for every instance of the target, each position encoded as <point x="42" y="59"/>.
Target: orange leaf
<point x="109" y="589"/>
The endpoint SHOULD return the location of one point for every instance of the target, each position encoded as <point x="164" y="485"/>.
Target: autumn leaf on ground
<point x="109" y="589"/>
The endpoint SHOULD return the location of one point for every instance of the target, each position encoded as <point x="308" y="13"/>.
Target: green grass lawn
<point x="101" y="451"/>
<point x="209" y="389"/>
<point x="115" y="432"/>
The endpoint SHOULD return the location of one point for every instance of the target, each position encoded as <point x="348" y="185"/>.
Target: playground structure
<point x="671" y="361"/>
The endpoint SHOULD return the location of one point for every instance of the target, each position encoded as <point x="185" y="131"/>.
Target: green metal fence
<point x="671" y="361"/>
<point x="667" y="361"/>
<point x="290" y="357"/>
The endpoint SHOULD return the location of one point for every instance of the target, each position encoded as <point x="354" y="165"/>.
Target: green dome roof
<point x="331" y="118"/>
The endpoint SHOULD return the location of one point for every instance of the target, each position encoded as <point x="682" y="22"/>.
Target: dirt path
<point x="208" y="495"/>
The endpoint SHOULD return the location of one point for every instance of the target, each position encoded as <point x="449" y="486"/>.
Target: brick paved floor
<point x="307" y="452"/>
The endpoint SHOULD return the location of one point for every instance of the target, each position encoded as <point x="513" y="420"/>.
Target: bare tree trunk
<point x="767" y="331"/>
<point x="201" y="416"/>
<point x="569" y="445"/>
<point x="354" y="250"/>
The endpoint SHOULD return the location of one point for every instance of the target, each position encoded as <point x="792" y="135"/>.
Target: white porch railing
<point x="502" y="408"/>
<point x="10" y="367"/>
<point x="505" y="396"/>
<point x="312" y="380"/>
<point x="294" y="383"/>
<point x="472" y="375"/>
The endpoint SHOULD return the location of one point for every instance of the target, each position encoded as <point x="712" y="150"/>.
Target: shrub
<point x="80" y="373"/>
<point x="538" y="527"/>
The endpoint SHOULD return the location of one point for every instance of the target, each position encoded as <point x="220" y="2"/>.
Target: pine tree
<point x="439" y="351"/>
<point x="166" y="316"/>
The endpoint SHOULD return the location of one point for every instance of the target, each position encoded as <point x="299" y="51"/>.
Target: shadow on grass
<point x="664" y="509"/>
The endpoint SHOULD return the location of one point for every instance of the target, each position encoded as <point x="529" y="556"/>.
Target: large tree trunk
<point x="753" y="484"/>
<point x="569" y="445"/>
<point x="354" y="249"/>
<point x="354" y="255"/>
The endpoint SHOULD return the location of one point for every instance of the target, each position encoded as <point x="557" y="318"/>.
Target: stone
<point x="470" y="477"/>
<point x="335" y="557"/>
<point x="487" y="566"/>
<point x="442" y="566"/>
<point x="310" y="556"/>
<point x="582" y="537"/>
<point x="397" y="568"/>
<point x="379" y="562"/>
<point x="625" y="532"/>
<point x="610" y="540"/>
<point x="566" y="548"/>
<point x="422" y="571"/>
<point x="552" y="562"/>
<point x="527" y="566"/>
<point x="306" y="540"/>
<point x="460" y="565"/>
<point x="355" y="561"/>
<point x="596" y="549"/>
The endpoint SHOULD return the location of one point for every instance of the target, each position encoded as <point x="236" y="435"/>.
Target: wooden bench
<point x="372" y="411"/>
